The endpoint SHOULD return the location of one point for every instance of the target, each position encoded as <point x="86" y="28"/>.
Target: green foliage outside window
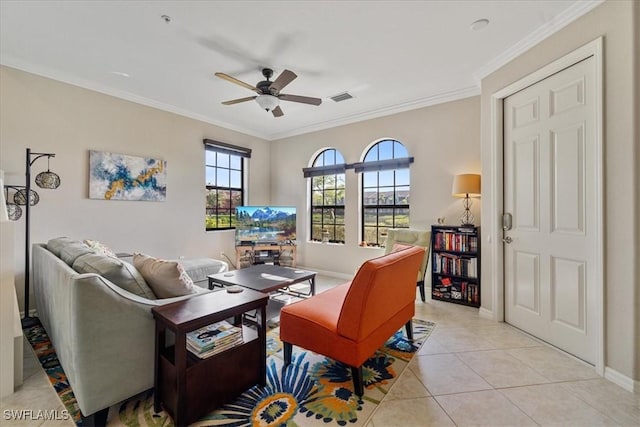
<point x="328" y="200"/>
<point x="385" y="193"/>
<point x="224" y="189"/>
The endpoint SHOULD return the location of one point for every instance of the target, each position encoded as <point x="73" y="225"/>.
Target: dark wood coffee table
<point x="265" y="278"/>
<point x="268" y="279"/>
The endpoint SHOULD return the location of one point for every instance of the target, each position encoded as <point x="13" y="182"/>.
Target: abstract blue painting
<point x="121" y="177"/>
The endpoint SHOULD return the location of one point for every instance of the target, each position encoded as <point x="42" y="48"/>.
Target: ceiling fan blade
<point x="277" y="112"/>
<point x="283" y="79"/>
<point x="302" y="99"/>
<point x="239" y="100"/>
<point x="236" y="81"/>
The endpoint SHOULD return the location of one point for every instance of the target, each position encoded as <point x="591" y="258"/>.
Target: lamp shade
<point x="20" y="197"/>
<point x="14" y="212"/>
<point x="48" y="179"/>
<point x="267" y="102"/>
<point x="466" y="184"/>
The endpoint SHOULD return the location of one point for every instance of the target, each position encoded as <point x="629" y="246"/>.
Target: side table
<point x="188" y="386"/>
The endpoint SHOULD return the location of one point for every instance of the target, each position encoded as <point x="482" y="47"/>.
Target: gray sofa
<point x="103" y="334"/>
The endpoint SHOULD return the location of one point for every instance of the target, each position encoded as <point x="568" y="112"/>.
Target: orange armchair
<point x="350" y="322"/>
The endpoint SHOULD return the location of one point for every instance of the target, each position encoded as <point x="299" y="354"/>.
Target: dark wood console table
<point x="188" y="386"/>
<point x="266" y="253"/>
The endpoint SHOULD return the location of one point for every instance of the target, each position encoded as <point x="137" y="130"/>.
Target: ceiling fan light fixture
<point x="267" y="102"/>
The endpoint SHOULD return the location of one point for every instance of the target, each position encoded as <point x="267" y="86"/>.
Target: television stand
<point x="276" y="254"/>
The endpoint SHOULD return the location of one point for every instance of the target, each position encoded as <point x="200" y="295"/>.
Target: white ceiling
<point x="391" y="56"/>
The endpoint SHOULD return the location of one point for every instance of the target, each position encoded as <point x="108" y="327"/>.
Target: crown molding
<point x="441" y="98"/>
<point x="384" y="111"/>
<point x="127" y="96"/>
<point x="572" y="13"/>
<point x="576" y="10"/>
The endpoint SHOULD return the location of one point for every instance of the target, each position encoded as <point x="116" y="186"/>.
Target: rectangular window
<point x="224" y="183"/>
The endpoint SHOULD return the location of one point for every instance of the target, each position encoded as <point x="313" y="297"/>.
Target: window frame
<point x="377" y="166"/>
<point x="332" y="170"/>
<point x="241" y="153"/>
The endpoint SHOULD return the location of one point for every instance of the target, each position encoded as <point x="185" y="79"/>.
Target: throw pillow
<point x="118" y="272"/>
<point x="55" y="245"/>
<point x="100" y="248"/>
<point x="71" y="251"/>
<point x="166" y="278"/>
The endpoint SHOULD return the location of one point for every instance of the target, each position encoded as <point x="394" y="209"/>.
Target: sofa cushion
<point x="55" y="245"/>
<point x="71" y="251"/>
<point x="100" y="248"/>
<point x="199" y="268"/>
<point x="166" y="278"/>
<point x="119" y="272"/>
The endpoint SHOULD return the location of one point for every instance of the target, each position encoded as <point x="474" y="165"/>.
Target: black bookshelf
<point x="455" y="264"/>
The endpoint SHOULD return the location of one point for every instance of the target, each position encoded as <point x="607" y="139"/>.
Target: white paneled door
<point x="550" y="192"/>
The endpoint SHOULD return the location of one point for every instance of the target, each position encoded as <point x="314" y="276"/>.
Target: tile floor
<point x="471" y="371"/>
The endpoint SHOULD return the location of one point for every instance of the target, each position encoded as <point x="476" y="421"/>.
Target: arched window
<point x="385" y="190"/>
<point x="327" y="196"/>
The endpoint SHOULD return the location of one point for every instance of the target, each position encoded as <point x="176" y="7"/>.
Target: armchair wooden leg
<point x="287" y="348"/>
<point x="421" y="287"/>
<point x="356" y="373"/>
<point x="409" y="328"/>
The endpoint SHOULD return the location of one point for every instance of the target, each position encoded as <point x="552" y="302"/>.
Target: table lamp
<point x="466" y="185"/>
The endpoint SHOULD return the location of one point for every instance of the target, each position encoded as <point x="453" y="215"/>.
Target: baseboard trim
<point x="328" y="273"/>
<point x="622" y="380"/>
<point x="485" y="314"/>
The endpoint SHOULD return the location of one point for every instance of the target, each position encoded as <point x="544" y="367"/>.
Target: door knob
<point x="507" y="239"/>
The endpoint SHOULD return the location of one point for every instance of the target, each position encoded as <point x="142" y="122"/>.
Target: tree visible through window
<point x="385" y="190"/>
<point x="327" y="198"/>
<point x="224" y="185"/>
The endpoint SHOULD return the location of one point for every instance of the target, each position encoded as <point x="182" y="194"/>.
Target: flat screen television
<point x="265" y="225"/>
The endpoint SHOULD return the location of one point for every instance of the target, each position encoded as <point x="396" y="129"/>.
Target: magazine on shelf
<point x="216" y="349"/>
<point x="213" y="335"/>
<point x="216" y="343"/>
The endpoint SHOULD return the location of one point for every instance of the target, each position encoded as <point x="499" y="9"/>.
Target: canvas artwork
<point x="121" y="177"/>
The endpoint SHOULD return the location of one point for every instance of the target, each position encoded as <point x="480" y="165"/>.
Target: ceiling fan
<point x="268" y="91"/>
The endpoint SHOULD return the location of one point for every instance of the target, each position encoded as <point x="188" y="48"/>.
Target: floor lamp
<point x="25" y="196"/>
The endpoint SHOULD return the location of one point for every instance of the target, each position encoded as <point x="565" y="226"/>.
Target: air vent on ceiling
<point x="342" y="96"/>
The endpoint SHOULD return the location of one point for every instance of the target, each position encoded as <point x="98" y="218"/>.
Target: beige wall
<point x="444" y="139"/>
<point x="614" y="21"/>
<point x="50" y="116"/>
<point x="636" y="118"/>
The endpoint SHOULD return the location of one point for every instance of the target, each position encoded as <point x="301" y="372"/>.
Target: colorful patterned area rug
<point x="46" y="354"/>
<point x="313" y="391"/>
